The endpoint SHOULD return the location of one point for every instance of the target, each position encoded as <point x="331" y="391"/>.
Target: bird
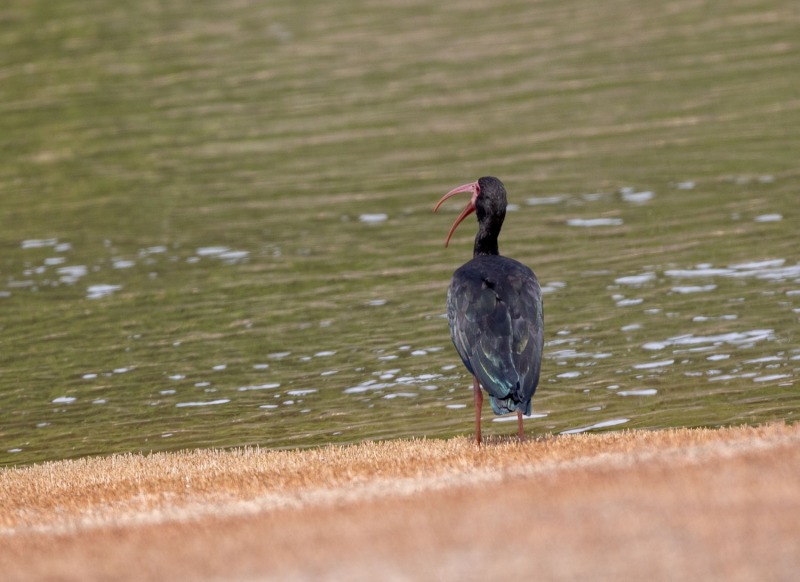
<point x="495" y="311"/>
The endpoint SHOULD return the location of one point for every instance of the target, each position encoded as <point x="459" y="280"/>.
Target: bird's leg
<point x="478" y="397"/>
<point x="519" y="423"/>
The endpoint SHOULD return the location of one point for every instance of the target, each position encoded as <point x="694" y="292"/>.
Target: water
<point x="597" y="425"/>
<point x="148" y="365"/>
<point x="227" y="247"/>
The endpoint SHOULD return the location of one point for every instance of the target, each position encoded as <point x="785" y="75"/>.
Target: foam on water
<point x="371" y="385"/>
<point x="594" y="196"/>
<point x="769" y="218"/>
<point x="373" y="218"/>
<point x="222" y="253"/>
<point x="154" y="250"/>
<point x="207" y="403"/>
<point x="211" y="251"/>
<point x="570" y="353"/>
<point x="629" y="302"/>
<point x="38" y="243"/>
<point x="603" y="424"/>
<point x="301" y="392"/>
<point x="732" y="338"/>
<point x="771" y="377"/>
<point x="636" y="280"/>
<point x="543" y="200"/>
<point x="71" y="274"/>
<point x="649" y="365"/>
<point x="684" y="289"/>
<point x="64" y="400"/>
<point x="553" y="286"/>
<point x="513" y="417"/>
<point x="122" y="264"/>
<point x="688" y="273"/>
<point x="100" y="291"/>
<point x="234" y="256"/>
<point x="631" y="195"/>
<point x="772" y="269"/>
<point x="764" y="360"/>
<point x="592" y="222"/>
<point x="267" y="386"/>
<point x="768" y="264"/>
<point x="701" y="318"/>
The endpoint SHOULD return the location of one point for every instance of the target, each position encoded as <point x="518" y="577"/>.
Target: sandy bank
<point x="677" y="504"/>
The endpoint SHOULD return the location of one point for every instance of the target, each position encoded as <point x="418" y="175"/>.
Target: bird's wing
<point x="496" y="323"/>
<point x="463" y="322"/>
<point x="527" y="320"/>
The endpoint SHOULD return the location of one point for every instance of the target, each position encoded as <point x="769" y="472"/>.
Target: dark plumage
<point x="494" y="307"/>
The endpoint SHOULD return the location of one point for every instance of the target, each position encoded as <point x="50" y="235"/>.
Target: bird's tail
<point x="508" y="405"/>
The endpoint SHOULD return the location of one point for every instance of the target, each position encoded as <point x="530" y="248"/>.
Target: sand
<point x="658" y="505"/>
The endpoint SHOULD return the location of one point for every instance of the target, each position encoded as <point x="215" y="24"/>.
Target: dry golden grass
<point x="103" y="490"/>
<point x="660" y="503"/>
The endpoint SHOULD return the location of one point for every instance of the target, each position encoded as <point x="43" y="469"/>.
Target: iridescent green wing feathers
<point x="494" y="308"/>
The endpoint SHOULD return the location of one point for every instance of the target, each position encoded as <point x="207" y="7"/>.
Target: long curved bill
<point x="469" y="209"/>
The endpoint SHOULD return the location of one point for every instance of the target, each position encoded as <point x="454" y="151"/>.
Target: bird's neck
<point x="485" y="242"/>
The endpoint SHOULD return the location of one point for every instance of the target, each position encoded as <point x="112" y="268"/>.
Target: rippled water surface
<point x="217" y="225"/>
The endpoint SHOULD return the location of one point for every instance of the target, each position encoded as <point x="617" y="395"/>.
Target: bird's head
<point x="488" y="202"/>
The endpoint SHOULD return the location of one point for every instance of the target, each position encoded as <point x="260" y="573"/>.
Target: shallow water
<point x="179" y="269"/>
<point x="134" y="359"/>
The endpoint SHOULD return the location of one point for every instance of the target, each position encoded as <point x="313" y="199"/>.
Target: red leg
<point x="478" y="397"/>
<point x="519" y="423"/>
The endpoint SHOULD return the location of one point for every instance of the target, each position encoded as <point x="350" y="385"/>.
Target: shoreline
<point x="268" y="500"/>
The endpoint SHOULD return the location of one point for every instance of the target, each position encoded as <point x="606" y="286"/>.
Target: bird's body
<point x="494" y="308"/>
<point x="495" y="312"/>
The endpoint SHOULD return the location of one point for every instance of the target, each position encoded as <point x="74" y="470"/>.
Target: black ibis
<point x="495" y="312"/>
